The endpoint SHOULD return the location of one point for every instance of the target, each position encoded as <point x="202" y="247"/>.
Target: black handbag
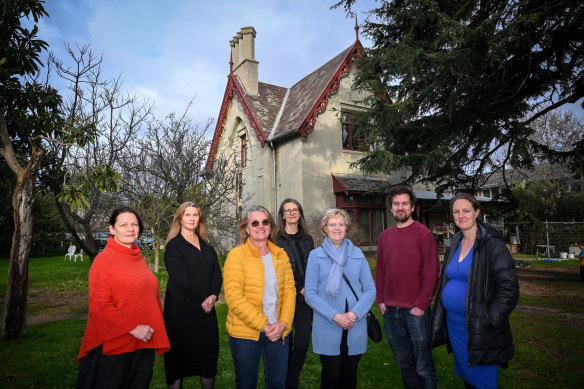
<point x="373" y="326"/>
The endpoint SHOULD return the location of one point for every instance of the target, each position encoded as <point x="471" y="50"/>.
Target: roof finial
<point x="356" y="27"/>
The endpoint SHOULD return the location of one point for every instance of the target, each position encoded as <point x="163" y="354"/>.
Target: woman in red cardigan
<point x="125" y="323"/>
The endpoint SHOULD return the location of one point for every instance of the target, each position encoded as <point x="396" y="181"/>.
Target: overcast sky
<point x="170" y="52"/>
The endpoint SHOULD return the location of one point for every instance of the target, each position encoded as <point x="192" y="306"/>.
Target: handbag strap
<point x="349" y="283"/>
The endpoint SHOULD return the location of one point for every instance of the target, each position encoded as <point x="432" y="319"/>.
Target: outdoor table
<point x="545" y="248"/>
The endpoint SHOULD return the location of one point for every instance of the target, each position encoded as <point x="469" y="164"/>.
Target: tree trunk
<point x="88" y="244"/>
<point x="14" y="320"/>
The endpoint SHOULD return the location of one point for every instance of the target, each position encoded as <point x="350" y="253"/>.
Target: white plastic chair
<point x="70" y="252"/>
<point x="80" y="256"/>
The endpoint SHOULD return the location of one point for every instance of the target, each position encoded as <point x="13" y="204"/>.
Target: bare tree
<point x="165" y="168"/>
<point x="117" y="118"/>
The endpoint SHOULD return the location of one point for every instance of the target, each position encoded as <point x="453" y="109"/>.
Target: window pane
<point x="364" y="224"/>
<point x="347" y="199"/>
<point x="378" y="200"/>
<point x="346" y="136"/>
<point x="377" y="217"/>
<point x="362" y="199"/>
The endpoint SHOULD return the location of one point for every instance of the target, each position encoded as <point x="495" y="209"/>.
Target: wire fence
<point x="551" y="239"/>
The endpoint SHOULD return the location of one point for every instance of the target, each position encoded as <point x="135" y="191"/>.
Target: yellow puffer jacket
<point x="243" y="282"/>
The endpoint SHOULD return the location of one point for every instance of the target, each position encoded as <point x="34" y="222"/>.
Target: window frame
<point x="356" y="207"/>
<point x="347" y="124"/>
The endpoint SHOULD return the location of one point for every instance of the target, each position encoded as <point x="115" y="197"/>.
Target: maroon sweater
<point x="407" y="267"/>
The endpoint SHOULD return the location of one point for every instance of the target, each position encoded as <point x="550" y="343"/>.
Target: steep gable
<point x="282" y="112"/>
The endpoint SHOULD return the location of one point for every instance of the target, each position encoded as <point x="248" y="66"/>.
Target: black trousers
<point x="129" y="370"/>
<point x="299" y="341"/>
<point x="339" y="371"/>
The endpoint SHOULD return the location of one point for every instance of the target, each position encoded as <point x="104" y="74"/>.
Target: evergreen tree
<point x="466" y="79"/>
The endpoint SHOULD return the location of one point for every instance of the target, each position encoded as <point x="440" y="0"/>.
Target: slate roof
<point x="281" y="111"/>
<point x="544" y="171"/>
<point x="354" y="183"/>
<point x="266" y="104"/>
<point x="304" y="94"/>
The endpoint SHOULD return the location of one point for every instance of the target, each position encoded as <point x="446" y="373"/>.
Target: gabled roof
<point x="282" y="112"/>
<point x="544" y="171"/>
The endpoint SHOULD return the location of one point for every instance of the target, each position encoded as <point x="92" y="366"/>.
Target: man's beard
<point x="403" y="218"/>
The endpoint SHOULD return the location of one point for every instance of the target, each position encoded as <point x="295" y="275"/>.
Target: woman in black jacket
<point x="293" y="237"/>
<point x="477" y="292"/>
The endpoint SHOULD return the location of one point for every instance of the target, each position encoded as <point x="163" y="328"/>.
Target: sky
<point x="172" y="52"/>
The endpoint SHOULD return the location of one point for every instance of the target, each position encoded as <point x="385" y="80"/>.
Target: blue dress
<point x="454" y="300"/>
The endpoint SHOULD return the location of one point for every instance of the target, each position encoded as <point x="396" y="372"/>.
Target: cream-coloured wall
<point x="305" y="165"/>
<point x="257" y="174"/>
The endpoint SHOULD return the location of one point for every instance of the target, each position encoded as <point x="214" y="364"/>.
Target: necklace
<point x="464" y="249"/>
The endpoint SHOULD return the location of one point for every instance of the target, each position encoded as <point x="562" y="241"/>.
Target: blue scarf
<point x="338" y="257"/>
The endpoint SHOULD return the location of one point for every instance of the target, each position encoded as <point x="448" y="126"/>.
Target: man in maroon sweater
<point x="406" y="279"/>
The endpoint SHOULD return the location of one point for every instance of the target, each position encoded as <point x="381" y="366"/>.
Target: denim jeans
<point x="409" y="340"/>
<point x="246" y="355"/>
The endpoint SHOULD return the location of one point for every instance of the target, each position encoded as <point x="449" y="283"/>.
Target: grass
<point x="549" y="346"/>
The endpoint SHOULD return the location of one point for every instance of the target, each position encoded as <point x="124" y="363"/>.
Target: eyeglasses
<point x="290" y="211"/>
<point x="256" y="223"/>
<point x="333" y="225"/>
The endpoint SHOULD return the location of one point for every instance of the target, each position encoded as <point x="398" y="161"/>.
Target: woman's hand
<point x="208" y="303"/>
<point x="274" y="331"/>
<point x="142" y="332"/>
<point x="344" y="320"/>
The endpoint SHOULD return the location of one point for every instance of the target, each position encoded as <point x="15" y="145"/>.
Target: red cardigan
<point x="123" y="293"/>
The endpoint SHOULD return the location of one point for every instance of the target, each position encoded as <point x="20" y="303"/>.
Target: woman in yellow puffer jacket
<point x="261" y="297"/>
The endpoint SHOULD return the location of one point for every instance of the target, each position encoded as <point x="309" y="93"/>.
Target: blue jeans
<point x="246" y="355"/>
<point x="409" y="340"/>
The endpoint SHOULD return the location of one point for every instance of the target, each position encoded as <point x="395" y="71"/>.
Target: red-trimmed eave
<point x="338" y="186"/>
<point x="333" y="85"/>
<point x="232" y="87"/>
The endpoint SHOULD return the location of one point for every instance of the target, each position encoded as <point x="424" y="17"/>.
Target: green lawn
<point x="549" y="351"/>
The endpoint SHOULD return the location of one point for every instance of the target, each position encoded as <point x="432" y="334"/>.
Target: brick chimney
<point x="245" y="67"/>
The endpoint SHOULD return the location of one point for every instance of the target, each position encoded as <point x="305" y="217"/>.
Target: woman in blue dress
<point x="477" y="292"/>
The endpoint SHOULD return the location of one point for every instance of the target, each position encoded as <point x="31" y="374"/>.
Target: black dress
<point x="193" y="275"/>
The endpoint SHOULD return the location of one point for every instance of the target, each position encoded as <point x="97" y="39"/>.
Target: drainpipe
<point x="274" y="177"/>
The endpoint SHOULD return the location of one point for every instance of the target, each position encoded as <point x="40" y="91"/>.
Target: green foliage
<point x="463" y="76"/>
<point x="102" y="178"/>
<point x="544" y="200"/>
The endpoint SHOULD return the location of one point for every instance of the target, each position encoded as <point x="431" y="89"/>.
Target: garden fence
<point x="548" y="238"/>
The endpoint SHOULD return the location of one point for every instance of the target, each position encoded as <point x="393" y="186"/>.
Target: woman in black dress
<point x="194" y="283"/>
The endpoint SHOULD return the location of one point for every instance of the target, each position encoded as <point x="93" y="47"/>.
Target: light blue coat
<point x="326" y="334"/>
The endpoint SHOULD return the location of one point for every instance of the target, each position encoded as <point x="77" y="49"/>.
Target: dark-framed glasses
<point x="256" y="223"/>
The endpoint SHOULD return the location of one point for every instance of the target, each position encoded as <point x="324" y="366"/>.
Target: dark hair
<point x="399" y="190"/>
<point x="282" y="223"/>
<point x="243" y="235"/>
<point x="114" y="218"/>
<point x="468" y="197"/>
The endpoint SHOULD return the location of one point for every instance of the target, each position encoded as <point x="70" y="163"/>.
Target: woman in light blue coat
<point x="339" y="326"/>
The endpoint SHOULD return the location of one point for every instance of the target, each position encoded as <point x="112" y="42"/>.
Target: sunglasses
<point x="256" y="223"/>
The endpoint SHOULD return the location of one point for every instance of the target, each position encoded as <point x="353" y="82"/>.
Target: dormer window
<point x="351" y="138"/>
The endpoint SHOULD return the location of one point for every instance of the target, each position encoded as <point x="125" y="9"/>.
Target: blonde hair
<point x="201" y="230"/>
<point x="334" y="212"/>
<point x="243" y="235"/>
